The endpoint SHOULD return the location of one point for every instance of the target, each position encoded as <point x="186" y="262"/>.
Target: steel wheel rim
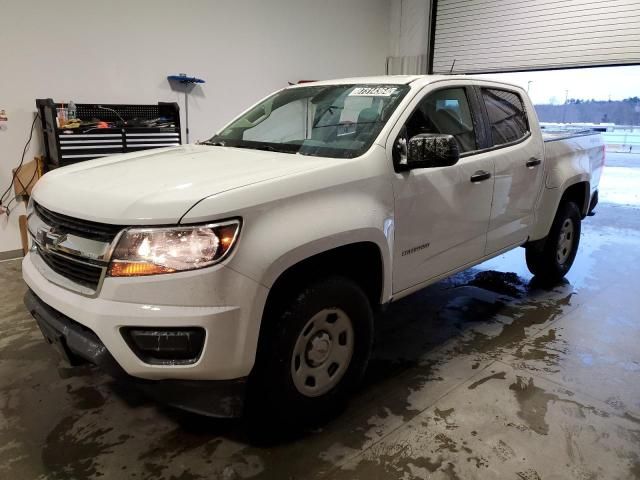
<point x="322" y="352"/>
<point x="565" y="241"/>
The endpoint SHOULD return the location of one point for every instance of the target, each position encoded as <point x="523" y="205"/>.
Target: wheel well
<point x="360" y="262"/>
<point x="577" y="193"/>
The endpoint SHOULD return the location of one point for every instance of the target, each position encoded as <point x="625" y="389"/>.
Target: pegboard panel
<point x="89" y="111"/>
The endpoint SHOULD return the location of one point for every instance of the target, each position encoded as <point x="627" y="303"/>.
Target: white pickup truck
<point x="244" y="271"/>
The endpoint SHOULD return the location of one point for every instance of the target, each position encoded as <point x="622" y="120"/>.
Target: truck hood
<point x="159" y="186"/>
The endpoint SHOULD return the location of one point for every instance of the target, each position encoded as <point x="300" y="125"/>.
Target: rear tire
<point x="551" y="258"/>
<point x="312" y="354"/>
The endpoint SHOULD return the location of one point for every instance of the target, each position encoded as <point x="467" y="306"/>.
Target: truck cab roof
<point x="415" y="80"/>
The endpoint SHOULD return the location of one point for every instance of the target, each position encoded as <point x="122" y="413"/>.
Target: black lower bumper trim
<point x="79" y="344"/>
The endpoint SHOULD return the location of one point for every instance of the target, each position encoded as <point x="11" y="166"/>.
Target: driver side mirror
<point x="431" y="150"/>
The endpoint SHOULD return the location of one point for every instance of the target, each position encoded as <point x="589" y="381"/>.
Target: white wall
<point x="409" y="27"/>
<point x="409" y="36"/>
<point x="121" y="52"/>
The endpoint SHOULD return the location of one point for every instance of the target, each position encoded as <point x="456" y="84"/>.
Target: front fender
<point x="276" y="238"/>
<point x="321" y="245"/>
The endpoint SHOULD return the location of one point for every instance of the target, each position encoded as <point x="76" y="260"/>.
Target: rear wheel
<point x="312" y="354"/>
<point x="551" y="258"/>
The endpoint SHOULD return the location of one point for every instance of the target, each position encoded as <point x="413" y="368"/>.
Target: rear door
<point x="441" y="213"/>
<point x="518" y="156"/>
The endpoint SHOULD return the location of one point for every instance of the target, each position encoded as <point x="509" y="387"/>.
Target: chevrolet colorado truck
<point x="245" y="270"/>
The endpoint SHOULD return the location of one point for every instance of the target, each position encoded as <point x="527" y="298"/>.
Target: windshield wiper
<point x="266" y="148"/>
<point x="329" y="110"/>
<point x="251" y="145"/>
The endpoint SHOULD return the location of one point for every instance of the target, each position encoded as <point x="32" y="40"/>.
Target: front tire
<point x="551" y="258"/>
<point x="313" y="353"/>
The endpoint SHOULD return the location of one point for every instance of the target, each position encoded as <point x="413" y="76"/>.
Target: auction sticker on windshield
<point x="373" y="91"/>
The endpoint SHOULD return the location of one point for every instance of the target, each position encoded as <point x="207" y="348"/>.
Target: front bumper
<point x="226" y="304"/>
<point x="79" y="344"/>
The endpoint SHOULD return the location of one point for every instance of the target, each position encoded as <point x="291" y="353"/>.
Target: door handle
<point x="480" y="176"/>
<point x="533" y="162"/>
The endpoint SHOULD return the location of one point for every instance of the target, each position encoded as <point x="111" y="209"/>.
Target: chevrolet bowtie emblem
<point x="49" y="239"/>
<point x="59" y="239"/>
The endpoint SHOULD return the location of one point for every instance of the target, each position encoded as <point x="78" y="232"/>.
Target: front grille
<point x="83" y="228"/>
<point x="81" y="273"/>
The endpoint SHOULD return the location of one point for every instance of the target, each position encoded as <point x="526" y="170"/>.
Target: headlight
<point x="149" y="251"/>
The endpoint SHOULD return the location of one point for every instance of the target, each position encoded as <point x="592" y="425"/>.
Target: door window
<point x="507" y="116"/>
<point x="445" y="111"/>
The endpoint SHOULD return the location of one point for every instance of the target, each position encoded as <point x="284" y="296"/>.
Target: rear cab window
<point x="507" y="116"/>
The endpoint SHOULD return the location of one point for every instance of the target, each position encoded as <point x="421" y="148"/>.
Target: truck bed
<point x="553" y="135"/>
<point x="584" y="148"/>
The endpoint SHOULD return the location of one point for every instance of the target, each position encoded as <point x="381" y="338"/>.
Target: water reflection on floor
<point x="483" y="375"/>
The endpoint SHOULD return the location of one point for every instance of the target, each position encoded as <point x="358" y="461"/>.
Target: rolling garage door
<point x="511" y="35"/>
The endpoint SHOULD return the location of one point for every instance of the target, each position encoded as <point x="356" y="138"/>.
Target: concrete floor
<point x="484" y="375"/>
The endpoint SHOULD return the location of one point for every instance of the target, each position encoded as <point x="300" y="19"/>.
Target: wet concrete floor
<point x="483" y="375"/>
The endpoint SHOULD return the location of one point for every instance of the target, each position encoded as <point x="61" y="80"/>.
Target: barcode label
<point x="373" y="91"/>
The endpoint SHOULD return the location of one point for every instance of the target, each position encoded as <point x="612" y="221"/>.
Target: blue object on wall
<point x="183" y="78"/>
<point x="186" y="80"/>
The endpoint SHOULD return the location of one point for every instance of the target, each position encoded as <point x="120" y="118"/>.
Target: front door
<point x="441" y="213"/>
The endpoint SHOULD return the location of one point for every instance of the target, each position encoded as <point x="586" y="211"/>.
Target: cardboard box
<point x="28" y="174"/>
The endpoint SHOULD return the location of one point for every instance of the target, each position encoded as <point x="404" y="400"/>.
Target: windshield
<point x="339" y="121"/>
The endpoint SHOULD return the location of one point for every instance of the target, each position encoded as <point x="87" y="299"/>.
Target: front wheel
<point x="313" y="352"/>
<point x="551" y="258"/>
